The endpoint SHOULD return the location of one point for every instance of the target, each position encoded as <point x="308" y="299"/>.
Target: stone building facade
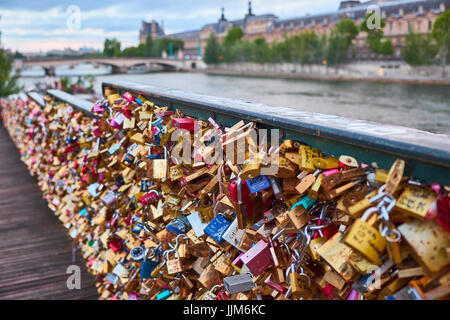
<point x="400" y="17"/>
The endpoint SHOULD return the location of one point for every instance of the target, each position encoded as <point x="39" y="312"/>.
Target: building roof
<point x="356" y="10"/>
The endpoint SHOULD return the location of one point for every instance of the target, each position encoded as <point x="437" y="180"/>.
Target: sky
<point x="33" y="26"/>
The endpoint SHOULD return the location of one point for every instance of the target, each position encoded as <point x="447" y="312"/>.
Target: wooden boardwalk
<point x="35" y="249"/>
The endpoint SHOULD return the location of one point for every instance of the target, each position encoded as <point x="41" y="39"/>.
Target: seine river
<point x="425" y="107"/>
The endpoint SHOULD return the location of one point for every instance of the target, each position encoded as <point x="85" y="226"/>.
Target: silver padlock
<point x="238" y="283"/>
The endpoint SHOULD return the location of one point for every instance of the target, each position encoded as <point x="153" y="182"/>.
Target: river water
<point x="424" y="107"/>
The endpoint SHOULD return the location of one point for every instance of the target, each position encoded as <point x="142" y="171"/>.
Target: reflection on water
<point x="417" y="106"/>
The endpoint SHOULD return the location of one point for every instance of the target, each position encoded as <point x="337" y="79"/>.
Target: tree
<point x="337" y="49"/>
<point x="261" y="51"/>
<point x="340" y="41"/>
<point x="309" y="48"/>
<point x="111" y="48"/>
<point x="160" y="45"/>
<point x="419" y="49"/>
<point x="133" y="52"/>
<point x="212" y="50"/>
<point x="233" y="36"/>
<point x="348" y="29"/>
<point x="8" y="81"/>
<point x="441" y="33"/>
<point x="375" y="35"/>
<point x="148" y="46"/>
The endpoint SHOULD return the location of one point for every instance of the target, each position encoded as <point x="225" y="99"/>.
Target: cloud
<point x="27" y="24"/>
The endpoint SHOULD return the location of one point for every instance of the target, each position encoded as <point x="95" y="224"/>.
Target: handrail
<point x="36" y="97"/>
<point x="428" y="153"/>
<point x="80" y="104"/>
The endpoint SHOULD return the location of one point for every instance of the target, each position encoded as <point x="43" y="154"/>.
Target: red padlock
<point x="243" y="197"/>
<point x="116" y="244"/>
<point x="258" y="258"/>
<point x="184" y="123"/>
<point x="443" y="212"/>
<point x="222" y="295"/>
<point x="126" y="112"/>
<point x="149" y="198"/>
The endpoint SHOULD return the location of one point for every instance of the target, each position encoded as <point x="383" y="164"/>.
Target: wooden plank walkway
<point x="35" y="249"/>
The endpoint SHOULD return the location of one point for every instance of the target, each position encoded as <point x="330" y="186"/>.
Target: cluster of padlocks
<point x="151" y="226"/>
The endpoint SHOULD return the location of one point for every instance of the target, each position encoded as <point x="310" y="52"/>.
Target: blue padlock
<point x="83" y="212"/>
<point x="306" y="202"/>
<point x="179" y="225"/>
<point x="157" y="139"/>
<point x="154" y="156"/>
<point x="138" y="228"/>
<point x="147" y="267"/>
<point x="217" y="227"/>
<point x="163" y="295"/>
<point x="258" y="183"/>
<point x="138" y="101"/>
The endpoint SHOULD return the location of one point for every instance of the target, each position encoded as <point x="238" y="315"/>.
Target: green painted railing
<point x="427" y="154"/>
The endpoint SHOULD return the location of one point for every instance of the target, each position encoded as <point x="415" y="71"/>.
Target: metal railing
<point x="427" y="154"/>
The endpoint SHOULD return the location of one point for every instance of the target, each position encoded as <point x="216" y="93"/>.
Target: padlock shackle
<point x="368" y="213"/>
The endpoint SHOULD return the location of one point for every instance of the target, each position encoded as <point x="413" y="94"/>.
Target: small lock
<point x="160" y="166"/>
<point x="238" y="283"/>
<point x="301" y="285"/>
<point x="258" y="258"/>
<point x="137" y="253"/>
<point x="149" y="198"/>
<point x="365" y="238"/>
<point x="173" y="265"/>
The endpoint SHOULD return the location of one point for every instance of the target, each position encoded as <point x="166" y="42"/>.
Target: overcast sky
<point x="43" y="25"/>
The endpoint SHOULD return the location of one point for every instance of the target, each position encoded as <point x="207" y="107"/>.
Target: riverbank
<point x="320" y="77"/>
<point x="381" y="72"/>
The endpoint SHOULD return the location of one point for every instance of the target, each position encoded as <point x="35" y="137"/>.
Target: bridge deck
<point x="35" y="250"/>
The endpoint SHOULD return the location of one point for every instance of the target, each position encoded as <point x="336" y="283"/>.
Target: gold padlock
<point x="366" y="239"/>
<point x="417" y="202"/>
<point x="301" y="285"/>
<point x="160" y="166"/>
<point x="326" y="162"/>
<point x="174" y="265"/>
<point x="251" y="169"/>
<point x="314" y="245"/>
<point x="307" y="155"/>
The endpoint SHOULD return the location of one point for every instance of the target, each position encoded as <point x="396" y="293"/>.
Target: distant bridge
<point x="118" y="65"/>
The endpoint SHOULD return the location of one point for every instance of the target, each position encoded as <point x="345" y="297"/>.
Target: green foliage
<point x="148" y="46"/>
<point x="261" y="52"/>
<point x="441" y="29"/>
<point x="212" y="50"/>
<point x="8" y="81"/>
<point x="419" y="49"/>
<point x="234" y="35"/>
<point x="151" y="48"/>
<point x="111" y="48"/>
<point x="375" y="36"/>
<point x="348" y="29"/>
<point x="132" y="52"/>
<point x="66" y="84"/>
<point x="340" y="41"/>
<point x="337" y="48"/>
<point x="441" y="33"/>
<point x="160" y="45"/>
<point x="18" y="55"/>
<point x="305" y="48"/>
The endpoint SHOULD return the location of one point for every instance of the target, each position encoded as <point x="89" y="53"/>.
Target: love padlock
<point x="365" y="239"/>
<point x="149" y="198"/>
